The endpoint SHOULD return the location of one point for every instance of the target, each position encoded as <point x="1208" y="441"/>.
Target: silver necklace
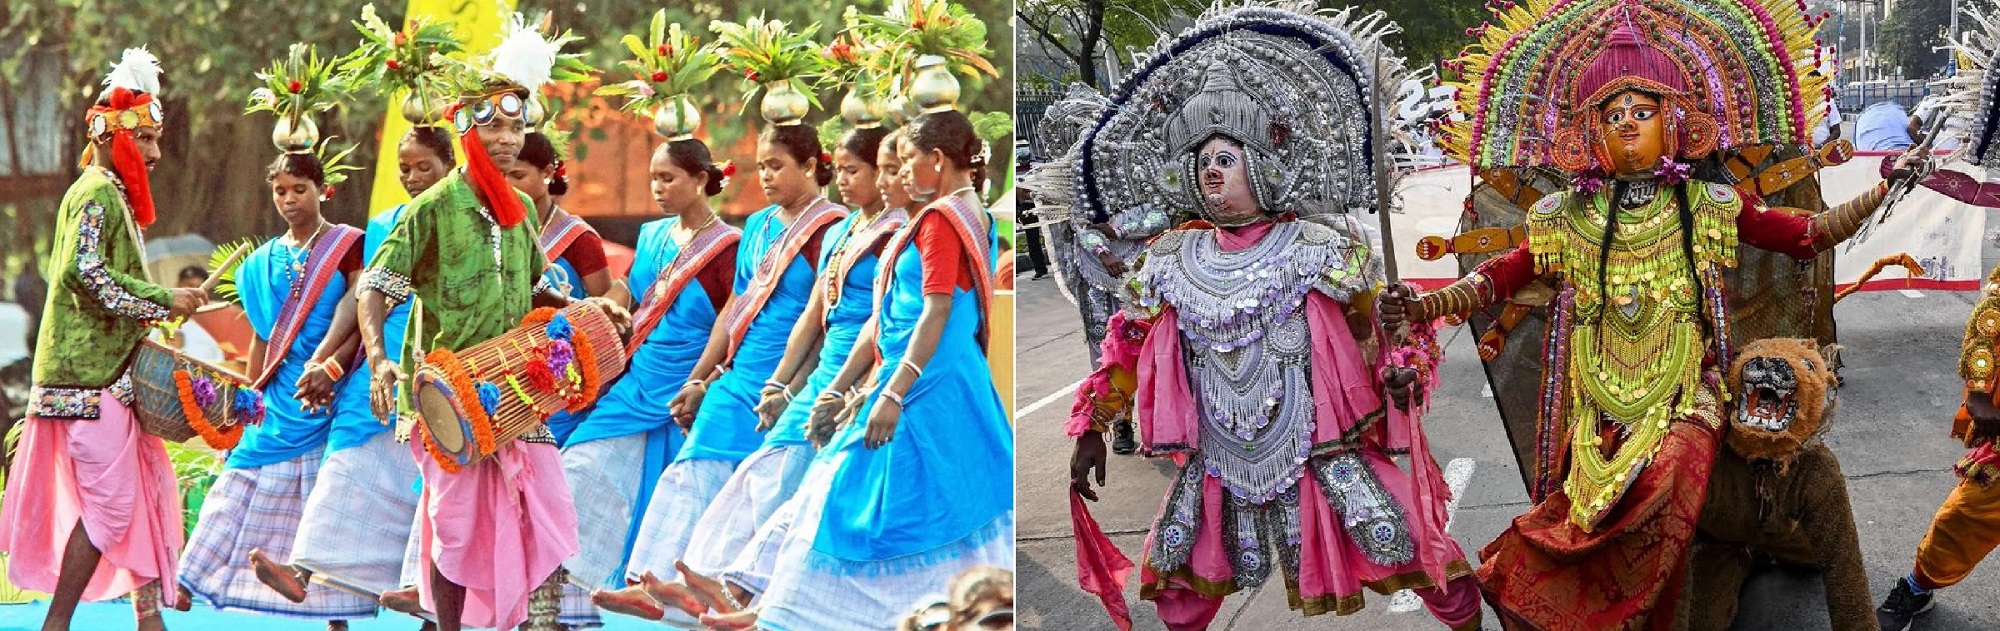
<point x="1242" y="315"/>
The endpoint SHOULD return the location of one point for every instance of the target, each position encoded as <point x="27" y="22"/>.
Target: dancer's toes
<point x="673" y="595"/>
<point x="631" y="601"/>
<point x="280" y="578"/>
<point x="710" y="591"/>
<point x="736" y="621"/>
<point x="405" y="600"/>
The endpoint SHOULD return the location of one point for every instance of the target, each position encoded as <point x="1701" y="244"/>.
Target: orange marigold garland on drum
<point x="192" y="393"/>
<point x="467" y="393"/>
<point x="444" y="461"/>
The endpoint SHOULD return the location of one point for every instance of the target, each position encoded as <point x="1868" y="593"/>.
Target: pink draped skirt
<point x="114" y="478"/>
<point x="498" y="527"/>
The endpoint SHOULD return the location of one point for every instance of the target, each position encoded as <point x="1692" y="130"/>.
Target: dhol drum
<point x="472" y="401"/>
<point x="177" y="398"/>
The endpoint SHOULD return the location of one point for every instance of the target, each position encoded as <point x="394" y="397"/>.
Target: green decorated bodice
<point x="1636" y="344"/>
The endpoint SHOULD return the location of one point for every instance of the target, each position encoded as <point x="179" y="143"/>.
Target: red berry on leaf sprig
<point x="295" y="86"/>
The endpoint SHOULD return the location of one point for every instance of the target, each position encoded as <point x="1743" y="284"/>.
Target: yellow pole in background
<point x="477" y="23"/>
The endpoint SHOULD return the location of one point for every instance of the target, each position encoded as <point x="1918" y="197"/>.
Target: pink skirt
<point x="498" y="527"/>
<point x="1332" y="572"/>
<point x="107" y="473"/>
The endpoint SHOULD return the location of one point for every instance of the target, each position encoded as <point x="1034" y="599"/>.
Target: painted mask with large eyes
<point x="1632" y="126"/>
<point x="1222" y="179"/>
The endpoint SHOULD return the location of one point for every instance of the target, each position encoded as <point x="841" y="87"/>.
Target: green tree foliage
<point x="1914" y="27"/>
<point x="211" y="174"/>
<point x="1083" y="30"/>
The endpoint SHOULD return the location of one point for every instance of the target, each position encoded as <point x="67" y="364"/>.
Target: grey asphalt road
<point x="1890" y="435"/>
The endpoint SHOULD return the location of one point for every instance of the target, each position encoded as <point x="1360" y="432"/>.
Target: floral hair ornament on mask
<point x="504" y="84"/>
<point x="127" y="104"/>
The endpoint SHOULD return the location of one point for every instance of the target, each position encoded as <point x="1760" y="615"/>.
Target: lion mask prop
<point x="1784" y="393"/>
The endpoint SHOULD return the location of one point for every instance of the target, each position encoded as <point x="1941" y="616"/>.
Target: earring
<point x="938" y="168"/>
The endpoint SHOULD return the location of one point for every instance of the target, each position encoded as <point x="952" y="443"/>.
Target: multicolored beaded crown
<point x="1741" y="71"/>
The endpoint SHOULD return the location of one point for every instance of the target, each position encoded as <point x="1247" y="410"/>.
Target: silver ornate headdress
<point x="1972" y="92"/>
<point x="1295" y="86"/>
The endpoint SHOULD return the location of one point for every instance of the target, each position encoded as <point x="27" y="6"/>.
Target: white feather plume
<point x="137" y="70"/>
<point x="524" y="56"/>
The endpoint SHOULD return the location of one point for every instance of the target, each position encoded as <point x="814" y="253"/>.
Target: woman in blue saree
<point x="894" y="506"/>
<point x="294" y="290"/>
<point x="357" y="523"/>
<point x="685" y="267"/>
<point x="774" y="280"/>
<point x="841" y="305"/>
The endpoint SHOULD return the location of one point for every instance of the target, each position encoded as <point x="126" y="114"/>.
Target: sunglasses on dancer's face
<point x="492" y="107"/>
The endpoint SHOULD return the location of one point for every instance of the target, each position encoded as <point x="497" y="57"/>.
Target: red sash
<point x="869" y="237"/>
<point x="968" y="221"/>
<point x="687" y="264"/>
<point x="322" y="264"/>
<point x="818" y="215"/>
<point x="560" y="233"/>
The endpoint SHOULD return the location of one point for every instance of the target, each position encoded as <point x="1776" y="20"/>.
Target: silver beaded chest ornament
<point x="1295" y="88"/>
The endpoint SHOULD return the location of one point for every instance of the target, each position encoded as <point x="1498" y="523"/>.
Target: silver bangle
<point x="913" y="368"/>
<point x="892" y="396"/>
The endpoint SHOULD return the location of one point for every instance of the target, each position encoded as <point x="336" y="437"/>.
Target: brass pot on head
<point x="899" y="110"/>
<point x="677" y="118"/>
<point x="421" y="111"/>
<point x="784" y="104"/>
<point x="934" y="89"/>
<point x="863" y="109"/>
<point x="295" y="134"/>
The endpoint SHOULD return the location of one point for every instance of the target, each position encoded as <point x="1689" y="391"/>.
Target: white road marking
<point x="1486" y="391"/>
<point x="1032" y="408"/>
<point x="1911" y="293"/>
<point x="1457" y="474"/>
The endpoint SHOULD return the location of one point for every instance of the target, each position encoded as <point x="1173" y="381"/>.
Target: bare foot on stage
<point x="284" y="579"/>
<point x="404" y="600"/>
<point x="738" y="621"/>
<point x="673" y="595"/>
<point x="709" y="590"/>
<point x="152" y="624"/>
<point x="631" y="601"/>
<point x="428" y="626"/>
<point x="336" y="625"/>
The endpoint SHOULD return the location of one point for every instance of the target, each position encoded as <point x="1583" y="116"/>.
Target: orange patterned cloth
<point x="1546" y="573"/>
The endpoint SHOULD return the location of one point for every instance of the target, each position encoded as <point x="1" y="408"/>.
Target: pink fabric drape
<point x="111" y="475"/>
<point x="498" y="527"/>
